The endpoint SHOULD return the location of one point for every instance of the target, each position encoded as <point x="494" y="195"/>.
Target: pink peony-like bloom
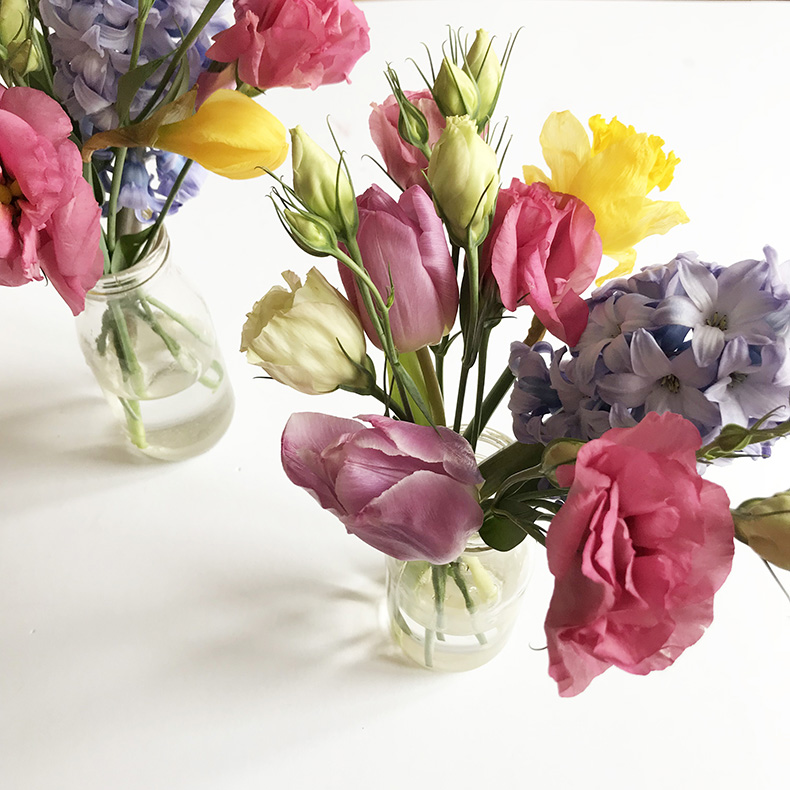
<point x="543" y="250"/>
<point x="49" y="219"/>
<point x="637" y="552"/>
<point x="405" y="163"/>
<point x="404" y="248"/>
<point x="407" y="490"/>
<point x="293" y="43"/>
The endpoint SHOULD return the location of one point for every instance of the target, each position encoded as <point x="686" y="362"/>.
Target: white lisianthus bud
<point x="15" y="36"/>
<point x="455" y="92"/>
<point x="308" y="338"/>
<point x="764" y="524"/>
<point x="322" y="185"/>
<point x="483" y="66"/>
<point x="558" y="453"/>
<point x="464" y="180"/>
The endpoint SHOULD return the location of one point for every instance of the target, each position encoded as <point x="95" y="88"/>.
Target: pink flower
<point x="404" y="243"/>
<point x="293" y="43"/>
<point x="49" y="219"/>
<point x="543" y="250"/>
<point x="404" y="162"/>
<point x="637" y="552"/>
<point x="407" y="490"/>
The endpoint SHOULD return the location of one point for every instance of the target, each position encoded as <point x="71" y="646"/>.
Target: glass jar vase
<point x="148" y="338"/>
<point x="457" y="616"/>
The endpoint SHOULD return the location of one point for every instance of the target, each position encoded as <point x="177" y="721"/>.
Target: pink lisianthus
<point x="407" y="490"/>
<point x="405" y="163"/>
<point x="543" y="250"/>
<point x="293" y="43"/>
<point x="404" y="249"/>
<point x="637" y="552"/>
<point x="49" y="219"/>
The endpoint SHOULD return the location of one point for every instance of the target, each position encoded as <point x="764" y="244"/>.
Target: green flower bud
<point x="322" y="185"/>
<point x="464" y="181"/>
<point x="311" y="233"/>
<point x="455" y="92"/>
<point x="15" y="36"/>
<point x="483" y="66"/>
<point x="558" y="453"/>
<point x="764" y="524"/>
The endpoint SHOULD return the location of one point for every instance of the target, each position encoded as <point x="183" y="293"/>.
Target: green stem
<point x="433" y="390"/>
<point x="476" y="424"/>
<point x="458" y="578"/>
<point x="439" y="579"/>
<point x="125" y="348"/>
<point x="473" y="280"/>
<point x="382" y="396"/>
<point x="134" y="422"/>
<point x="112" y="208"/>
<point x="459" y="404"/>
<point x="178" y="318"/>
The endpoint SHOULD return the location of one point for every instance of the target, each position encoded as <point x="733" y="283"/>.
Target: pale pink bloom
<point x="405" y="163"/>
<point x="49" y="219"/>
<point x="293" y="43"/>
<point x="543" y="251"/>
<point x="404" y="249"/>
<point x="637" y="551"/>
<point x="407" y="490"/>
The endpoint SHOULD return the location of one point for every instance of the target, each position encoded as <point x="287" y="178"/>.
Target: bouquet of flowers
<point x="662" y="373"/>
<point x="104" y="107"/>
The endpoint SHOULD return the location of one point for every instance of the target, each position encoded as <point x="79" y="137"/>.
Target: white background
<point x="204" y="625"/>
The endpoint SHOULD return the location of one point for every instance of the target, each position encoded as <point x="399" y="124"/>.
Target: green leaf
<point x="127" y="249"/>
<point x="501" y="533"/>
<point x="130" y="83"/>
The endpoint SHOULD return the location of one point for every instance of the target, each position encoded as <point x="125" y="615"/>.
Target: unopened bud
<point x="483" y="66"/>
<point x="312" y="233"/>
<point x="455" y="91"/>
<point x="764" y="524"/>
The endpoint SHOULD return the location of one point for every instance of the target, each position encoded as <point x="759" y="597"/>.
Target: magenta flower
<point x="637" y="552"/>
<point x="405" y="163"/>
<point x="407" y="490"/>
<point x="543" y="250"/>
<point x="293" y="43"/>
<point x="404" y="243"/>
<point x="49" y="219"/>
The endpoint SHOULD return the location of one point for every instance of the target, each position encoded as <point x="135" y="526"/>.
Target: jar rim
<point x="137" y="275"/>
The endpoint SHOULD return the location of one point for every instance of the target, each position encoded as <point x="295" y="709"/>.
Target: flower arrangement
<point x="104" y="108"/>
<point x="662" y="373"/>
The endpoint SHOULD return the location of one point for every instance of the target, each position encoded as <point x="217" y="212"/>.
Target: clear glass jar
<point x="148" y="338"/>
<point x="457" y="616"/>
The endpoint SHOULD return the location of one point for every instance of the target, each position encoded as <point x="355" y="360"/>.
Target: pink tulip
<point x="404" y="163"/>
<point x="407" y="490"/>
<point x="543" y="250"/>
<point x="293" y="43"/>
<point x="637" y="551"/>
<point x="49" y="219"/>
<point x="404" y="243"/>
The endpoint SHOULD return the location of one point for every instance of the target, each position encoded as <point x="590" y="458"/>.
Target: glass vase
<point x="457" y="616"/>
<point x="148" y="338"/>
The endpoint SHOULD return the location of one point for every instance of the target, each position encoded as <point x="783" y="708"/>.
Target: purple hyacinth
<point x="702" y="340"/>
<point x="91" y="43"/>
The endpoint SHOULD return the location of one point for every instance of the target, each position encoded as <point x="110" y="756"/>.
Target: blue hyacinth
<point x="698" y="339"/>
<point x="91" y="43"/>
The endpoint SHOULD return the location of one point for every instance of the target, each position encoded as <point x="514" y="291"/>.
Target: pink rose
<point x="543" y="250"/>
<point x="637" y="552"/>
<point x="404" y="163"/>
<point x="407" y="490"/>
<point x="49" y="219"/>
<point x="404" y="244"/>
<point x="293" y="43"/>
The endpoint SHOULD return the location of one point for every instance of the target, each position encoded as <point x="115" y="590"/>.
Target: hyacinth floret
<point x="708" y="342"/>
<point x="91" y="43"/>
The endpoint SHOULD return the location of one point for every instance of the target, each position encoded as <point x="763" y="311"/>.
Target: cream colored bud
<point x="308" y="338"/>
<point x="455" y="92"/>
<point x="558" y="453"/>
<point x="322" y="185"/>
<point x="15" y="36"/>
<point x="483" y="66"/>
<point x="464" y="180"/>
<point x="764" y="524"/>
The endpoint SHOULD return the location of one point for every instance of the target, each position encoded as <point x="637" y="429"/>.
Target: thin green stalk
<point x="459" y="404"/>
<point x="458" y="578"/>
<point x="439" y="579"/>
<point x="434" y="391"/>
<point x="384" y="398"/>
<point x="178" y="318"/>
<point x="112" y="208"/>
<point x="472" y="273"/>
<point x="476" y="424"/>
<point x="134" y="422"/>
<point x="127" y="357"/>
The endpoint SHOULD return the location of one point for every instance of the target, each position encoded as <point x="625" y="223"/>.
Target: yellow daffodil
<point x="612" y="176"/>
<point x="230" y="134"/>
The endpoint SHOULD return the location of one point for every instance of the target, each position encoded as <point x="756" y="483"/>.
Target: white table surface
<point x="204" y="625"/>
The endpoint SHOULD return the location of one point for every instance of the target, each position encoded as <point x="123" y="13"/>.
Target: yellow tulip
<point x="230" y="134"/>
<point x="612" y="176"/>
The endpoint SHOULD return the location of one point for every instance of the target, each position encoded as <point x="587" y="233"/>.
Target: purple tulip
<point x="407" y="490"/>
<point x="405" y="250"/>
